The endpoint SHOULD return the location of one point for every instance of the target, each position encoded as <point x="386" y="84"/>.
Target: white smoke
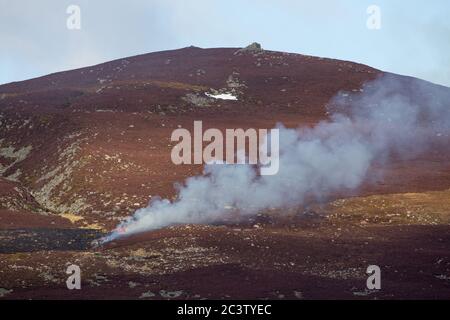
<point x="388" y="116"/>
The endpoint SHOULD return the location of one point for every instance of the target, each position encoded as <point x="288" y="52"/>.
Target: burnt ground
<point x="32" y="240"/>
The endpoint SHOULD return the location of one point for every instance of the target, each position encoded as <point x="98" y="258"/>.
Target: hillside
<point x="82" y="149"/>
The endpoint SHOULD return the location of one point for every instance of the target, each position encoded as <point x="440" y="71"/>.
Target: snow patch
<point x="222" y="96"/>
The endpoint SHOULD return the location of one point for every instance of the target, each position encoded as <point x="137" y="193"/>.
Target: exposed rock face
<point x="254" y="47"/>
<point x="197" y="100"/>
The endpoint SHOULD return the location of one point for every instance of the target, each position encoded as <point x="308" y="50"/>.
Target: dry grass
<point x="428" y="208"/>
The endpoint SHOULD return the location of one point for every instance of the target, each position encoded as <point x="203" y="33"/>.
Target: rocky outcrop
<point x="253" y="48"/>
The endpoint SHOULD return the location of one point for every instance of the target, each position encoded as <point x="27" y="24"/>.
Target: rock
<point x="147" y="294"/>
<point x="4" y="292"/>
<point x="170" y="294"/>
<point x="197" y="100"/>
<point x="254" y="47"/>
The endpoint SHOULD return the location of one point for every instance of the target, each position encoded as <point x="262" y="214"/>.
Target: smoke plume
<point x="388" y="116"/>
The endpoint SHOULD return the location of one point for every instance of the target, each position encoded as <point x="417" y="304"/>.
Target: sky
<point x="413" y="37"/>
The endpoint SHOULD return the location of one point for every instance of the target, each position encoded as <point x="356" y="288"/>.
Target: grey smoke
<point x="389" y="116"/>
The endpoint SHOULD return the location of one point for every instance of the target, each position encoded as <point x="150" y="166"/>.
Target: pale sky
<point x="414" y="38"/>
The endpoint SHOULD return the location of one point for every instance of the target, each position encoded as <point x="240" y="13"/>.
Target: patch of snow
<point x="222" y="96"/>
